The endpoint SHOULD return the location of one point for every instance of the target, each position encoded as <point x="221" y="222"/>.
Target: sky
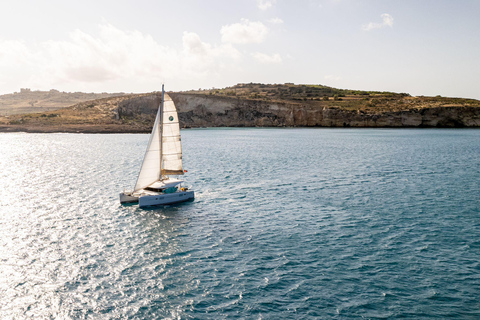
<point x="421" y="47"/>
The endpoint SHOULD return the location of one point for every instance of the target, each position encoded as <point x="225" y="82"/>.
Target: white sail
<point x="165" y="159"/>
<point x="171" y="141"/>
<point x="150" y="171"/>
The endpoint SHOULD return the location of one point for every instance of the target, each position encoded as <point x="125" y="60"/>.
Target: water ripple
<point x="291" y="223"/>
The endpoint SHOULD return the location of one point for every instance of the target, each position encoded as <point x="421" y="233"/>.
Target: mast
<point x="161" y="133"/>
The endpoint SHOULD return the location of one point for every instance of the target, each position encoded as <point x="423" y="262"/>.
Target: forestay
<point x="150" y="171"/>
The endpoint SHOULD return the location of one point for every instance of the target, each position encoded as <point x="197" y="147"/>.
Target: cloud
<point x="387" y="21"/>
<point x="13" y="52"/>
<point x="244" y="32"/>
<point x="113" y="56"/>
<point x="276" y="21"/>
<point x="265" y="4"/>
<point x="201" y="58"/>
<point x="265" y="58"/>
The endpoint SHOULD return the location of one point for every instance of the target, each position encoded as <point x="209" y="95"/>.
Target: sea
<point x="287" y="223"/>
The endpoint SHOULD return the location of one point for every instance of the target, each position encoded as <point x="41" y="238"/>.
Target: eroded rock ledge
<point x="204" y="111"/>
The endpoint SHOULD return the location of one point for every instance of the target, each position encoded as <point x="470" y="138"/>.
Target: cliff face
<point x="136" y="113"/>
<point x="206" y="111"/>
<point x="425" y="117"/>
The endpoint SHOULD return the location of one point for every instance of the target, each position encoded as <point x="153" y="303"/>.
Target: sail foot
<point x="166" y="172"/>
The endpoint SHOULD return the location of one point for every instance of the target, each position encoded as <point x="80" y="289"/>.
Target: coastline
<point x="70" y="129"/>
<point x="253" y="106"/>
<point x="118" y="129"/>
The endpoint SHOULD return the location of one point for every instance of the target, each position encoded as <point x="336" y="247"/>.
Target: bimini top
<point x="168" y="183"/>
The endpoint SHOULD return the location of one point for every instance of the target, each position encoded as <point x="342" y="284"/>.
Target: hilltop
<point x="28" y="101"/>
<point x="323" y="96"/>
<point x="253" y="104"/>
<point x="99" y="115"/>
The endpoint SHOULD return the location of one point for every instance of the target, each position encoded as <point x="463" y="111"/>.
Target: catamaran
<point x="163" y="159"/>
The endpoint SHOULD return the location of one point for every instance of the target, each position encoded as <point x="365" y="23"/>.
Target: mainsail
<point x="171" y="141"/>
<point x="164" y="150"/>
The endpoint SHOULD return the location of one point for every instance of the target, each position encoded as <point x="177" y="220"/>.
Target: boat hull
<point x="126" y="198"/>
<point x="165" y="198"/>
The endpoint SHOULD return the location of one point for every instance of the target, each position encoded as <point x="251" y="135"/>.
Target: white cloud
<point x="265" y="4"/>
<point x="265" y="58"/>
<point x="13" y="53"/>
<point x="200" y="58"/>
<point x="276" y="21"/>
<point x="115" y="57"/>
<point x="387" y="21"/>
<point x="244" y="32"/>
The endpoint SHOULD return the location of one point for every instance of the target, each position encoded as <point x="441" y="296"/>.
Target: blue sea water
<point x="286" y="224"/>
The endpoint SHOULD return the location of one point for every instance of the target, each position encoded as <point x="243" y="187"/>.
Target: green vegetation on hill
<point x="320" y="96"/>
<point x="293" y="92"/>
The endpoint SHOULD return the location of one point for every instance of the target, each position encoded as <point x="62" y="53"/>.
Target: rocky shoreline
<point x="71" y="129"/>
<point x="136" y="113"/>
<point x="197" y="111"/>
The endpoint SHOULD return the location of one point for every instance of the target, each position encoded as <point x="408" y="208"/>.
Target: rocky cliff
<point x="255" y="105"/>
<point x="205" y="111"/>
